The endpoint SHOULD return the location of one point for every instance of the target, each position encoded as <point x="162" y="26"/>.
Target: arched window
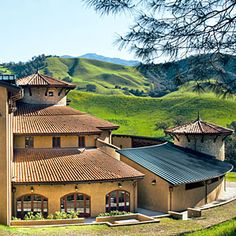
<point x="31" y="203"/>
<point x="76" y="202"/>
<point x="118" y="200"/>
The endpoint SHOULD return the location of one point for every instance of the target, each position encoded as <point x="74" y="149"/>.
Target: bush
<point x="91" y="88"/>
<point x="67" y="79"/>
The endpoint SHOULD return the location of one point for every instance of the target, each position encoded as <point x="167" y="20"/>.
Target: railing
<point x="8" y="78"/>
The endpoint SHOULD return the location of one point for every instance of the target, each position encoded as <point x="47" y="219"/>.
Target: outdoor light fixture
<point x="154" y="182"/>
<point x="171" y="188"/>
<point x="119" y="185"/>
<point x="13" y="189"/>
<point x="32" y="189"/>
<point x="76" y="188"/>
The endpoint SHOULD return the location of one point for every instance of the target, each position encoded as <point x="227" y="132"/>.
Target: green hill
<point x="107" y="77"/>
<point x="138" y="116"/>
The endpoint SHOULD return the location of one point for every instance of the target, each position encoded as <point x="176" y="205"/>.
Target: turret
<point x="42" y="89"/>
<point x="202" y="137"/>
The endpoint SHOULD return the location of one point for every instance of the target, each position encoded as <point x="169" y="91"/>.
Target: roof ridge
<point x="42" y="77"/>
<point x="200" y="125"/>
<point x="31" y="78"/>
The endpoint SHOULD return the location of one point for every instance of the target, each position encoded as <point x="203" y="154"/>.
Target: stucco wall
<point x="38" y="96"/>
<point x="158" y="197"/>
<point x="152" y="197"/>
<point x="106" y="136"/>
<point x="96" y="191"/>
<point x="46" y="141"/>
<point x="5" y="157"/>
<point x="182" y="199"/>
<point x="209" y="144"/>
<point x="122" y="142"/>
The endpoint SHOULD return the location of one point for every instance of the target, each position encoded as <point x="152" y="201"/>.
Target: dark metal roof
<point x="10" y="87"/>
<point x="175" y="164"/>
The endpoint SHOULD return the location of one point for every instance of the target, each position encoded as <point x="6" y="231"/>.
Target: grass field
<point x="225" y="229"/>
<point x="231" y="177"/>
<point x="102" y="74"/>
<point x="138" y="115"/>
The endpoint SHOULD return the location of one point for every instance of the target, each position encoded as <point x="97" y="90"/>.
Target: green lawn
<point x="231" y="177"/>
<point x="166" y="226"/>
<point x="225" y="229"/>
<point x="138" y="115"/>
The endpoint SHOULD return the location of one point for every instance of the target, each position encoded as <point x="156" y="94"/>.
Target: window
<point x="76" y="202"/>
<point x="56" y="142"/>
<point x="31" y="203"/>
<point x="50" y="94"/>
<point x="118" y="201"/>
<point x="194" y="185"/>
<point x="29" y="142"/>
<point x="81" y="140"/>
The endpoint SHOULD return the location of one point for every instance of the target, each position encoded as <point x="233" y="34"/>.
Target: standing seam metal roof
<point x="175" y="164"/>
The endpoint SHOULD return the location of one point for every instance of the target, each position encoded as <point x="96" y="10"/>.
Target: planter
<point x="129" y="219"/>
<point x="47" y="222"/>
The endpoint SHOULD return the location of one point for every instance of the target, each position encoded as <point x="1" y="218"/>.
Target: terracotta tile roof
<point x="43" y="80"/>
<point x="24" y="109"/>
<point x="199" y="127"/>
<point x="68" y="165"/>
<point x="56" y="120"/>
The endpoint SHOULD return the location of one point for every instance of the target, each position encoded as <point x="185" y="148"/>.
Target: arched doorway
<point x="76" y="202"/>
<point x="118" y="200"/>
<point x="31" y="203"/>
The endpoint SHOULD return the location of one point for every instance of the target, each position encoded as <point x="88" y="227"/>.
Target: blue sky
<point x="57" y="27"/>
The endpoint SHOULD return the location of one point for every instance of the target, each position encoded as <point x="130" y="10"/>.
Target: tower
<point x="42" y="89"/>
<point x="202" y="137"/>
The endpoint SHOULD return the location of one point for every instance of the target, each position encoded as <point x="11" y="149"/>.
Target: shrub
<point x="38" y="216"/>
<point x="29" y="216"/>
<point x="67" y="79"/>
<point x="91" y="88"/>
<point x="50" y="217"/>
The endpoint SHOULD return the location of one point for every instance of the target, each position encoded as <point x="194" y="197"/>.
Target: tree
<point x="91" y="88"/>
<point x="179" y="28"/>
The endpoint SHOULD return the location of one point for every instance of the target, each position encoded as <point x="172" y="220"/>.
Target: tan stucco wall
<point x="122" y="142"/>
<point x="182" y="199"/>
<point x="46" y="141"/>
<point x="5" y="158"/>
<point x="157" y="197"/>
<point x="152" y="197"/>
<point x="38" y="96"/>
<point x="105" y="136"/>
<point x="209" y="146"/>
<point x="96" y="191"/>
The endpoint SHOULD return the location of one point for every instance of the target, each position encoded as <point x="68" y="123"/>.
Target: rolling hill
<point x="107" y="77"/>
<point x="138" y="115"/>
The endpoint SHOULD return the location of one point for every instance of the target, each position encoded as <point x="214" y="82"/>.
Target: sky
<point x="57" y="27"/>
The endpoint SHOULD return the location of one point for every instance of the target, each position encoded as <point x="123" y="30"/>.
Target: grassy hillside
<point x="102" y="74"/>
<point x="138" y="116"/>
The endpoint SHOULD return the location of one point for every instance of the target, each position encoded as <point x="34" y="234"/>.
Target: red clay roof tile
<point x="198" y="127"/>
<point x="68" y="165"/>
<point x="43" y="80"/>
<point x="38" y="119"/>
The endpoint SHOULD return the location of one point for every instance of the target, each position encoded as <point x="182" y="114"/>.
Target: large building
<point x="56" y="158"/>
